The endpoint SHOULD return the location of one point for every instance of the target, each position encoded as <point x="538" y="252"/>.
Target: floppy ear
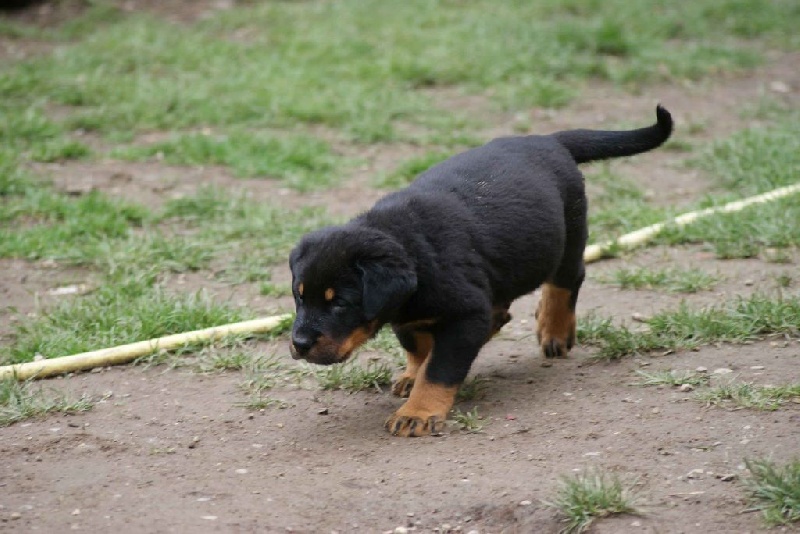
<point x="385" y="286"/>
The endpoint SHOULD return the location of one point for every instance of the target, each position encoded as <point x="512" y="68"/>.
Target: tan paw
<point x="411" y="426"/>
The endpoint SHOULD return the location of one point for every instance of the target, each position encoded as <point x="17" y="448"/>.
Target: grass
<point x="411" y="168"/>
<point x="673" y="279"/>
<point x="358" y="67"/>
<point x="114" y="316"/>
<point x="473" y="388"/>
<point x="20" y="401"/>
<point x="591" y="495"/>
<point x="469" y="421"/>
<point x="775" y="490"/>
<point x="750" y="162"/>
<point x="352" y="376"/>
<point x="301" y="161"/>
<point x="748" y="395"/>
<point x="737" y="321"/>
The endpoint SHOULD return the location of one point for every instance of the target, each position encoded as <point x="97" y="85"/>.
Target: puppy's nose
<point x="302" y="343"/>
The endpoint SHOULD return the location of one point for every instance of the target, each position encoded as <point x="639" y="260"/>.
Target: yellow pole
<point x="641" y="236"/>
<point x="128" y="353"/>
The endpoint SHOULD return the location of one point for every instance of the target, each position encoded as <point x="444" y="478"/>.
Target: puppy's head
<point x="346" y="282"/>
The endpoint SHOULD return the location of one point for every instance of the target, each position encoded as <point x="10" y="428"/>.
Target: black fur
<point x="463" y="241"/>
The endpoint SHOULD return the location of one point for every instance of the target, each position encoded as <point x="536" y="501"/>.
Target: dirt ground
<point x="169" y="450"/>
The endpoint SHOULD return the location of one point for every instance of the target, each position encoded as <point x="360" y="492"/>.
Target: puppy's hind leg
<point x="555" y="316"/>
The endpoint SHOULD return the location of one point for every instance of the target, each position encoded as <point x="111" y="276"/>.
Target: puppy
<point x="442" y="260"/>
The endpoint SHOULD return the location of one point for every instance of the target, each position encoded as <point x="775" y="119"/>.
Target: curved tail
<point x="590" y="145"/>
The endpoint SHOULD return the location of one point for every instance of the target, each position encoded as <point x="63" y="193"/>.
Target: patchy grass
<point x="619" y="207"/>
<point x="20" y="401"/>
<point x="775" y="490"/>
<point x="591" y="495"/>
<point x="410" y="169"/>
<point x="469" y="421"/>
<point x="748" y="395"/>
<point x="352" y="376"/>
<point x="302" y="161"/>
<point x="114" y="316"/>
<point x="672" y="279"/>
<point x="472" y="389"/>
<point x="744" y="319"/>
<point x="750" y="162"/>
<point x="357" y="67"/>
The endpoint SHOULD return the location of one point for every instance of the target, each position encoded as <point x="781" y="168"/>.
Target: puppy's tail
<point x="590" y="145"/>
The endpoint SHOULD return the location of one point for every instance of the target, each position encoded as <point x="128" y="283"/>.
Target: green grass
<point x="775" y="490"/>
<point x="410" y="169"/>
<point x="588" y="496"/>
<point x="473" y="388"/>
<point x="737" y="321"/>
<point x="469" y="421"/>
<point x="20" y="401"/>
<point x="114" y="315"/>
<point x="619" y="207"/>
<point x="352" y="376"/>
<point x="750" y="162"/>
<point x="301" y="161"/>
<point x="672" y="279"/>
<point x="356" y="66"/>
<point x="747" y="395"/>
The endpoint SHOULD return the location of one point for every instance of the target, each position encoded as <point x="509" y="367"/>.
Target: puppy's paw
<point x="555" y="322"/>
<point x="553" y="347"/>
<point x="411" y="426"/>
<point x="403" y="385"/>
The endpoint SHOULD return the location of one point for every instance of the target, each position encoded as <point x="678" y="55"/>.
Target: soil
<point x="171" y="450"/>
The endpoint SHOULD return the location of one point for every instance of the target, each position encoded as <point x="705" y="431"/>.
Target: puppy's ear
<point x="385" y="286"/>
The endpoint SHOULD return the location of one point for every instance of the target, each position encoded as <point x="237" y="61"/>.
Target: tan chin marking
<point x="356" y="338"/>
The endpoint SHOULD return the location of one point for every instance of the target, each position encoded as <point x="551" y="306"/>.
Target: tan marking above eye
<point x="329" y="294"/>
<point x="300" y="289"/>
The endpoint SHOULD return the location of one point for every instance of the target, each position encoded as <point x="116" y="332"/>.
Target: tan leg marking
<point x="405" y="382"/>
<point x="425" y="411"/>
<point x="555" y="326"/>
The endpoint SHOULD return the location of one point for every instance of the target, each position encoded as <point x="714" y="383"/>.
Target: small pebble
<point x="76" y="511"/>
<point x="525" y="503"/>
<point x="702" y="369"/>
<point x="209" y="517"/>
<point x="779" y="87"/>
<point x="686" y="388"/>
<point x="723" y="371"/>
<point x="401" y="530"/>
<point x="727" y="477"/>
<point x="323" y="411"/>
<point x="241" y="471"/>
<point x="16" y="515"/>
<point x="757" y="367"/>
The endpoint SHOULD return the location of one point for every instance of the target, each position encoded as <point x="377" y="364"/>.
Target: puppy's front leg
<point x="437" y="380"/>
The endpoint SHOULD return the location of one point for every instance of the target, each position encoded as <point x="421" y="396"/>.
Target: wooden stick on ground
<point x="641" y="236"/>
<point x="128" y="353"/>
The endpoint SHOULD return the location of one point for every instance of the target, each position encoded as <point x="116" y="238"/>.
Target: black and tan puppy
<point x="442" y="260"/>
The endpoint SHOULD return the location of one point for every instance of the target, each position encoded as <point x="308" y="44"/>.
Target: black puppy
<point x="443" y="259"/>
